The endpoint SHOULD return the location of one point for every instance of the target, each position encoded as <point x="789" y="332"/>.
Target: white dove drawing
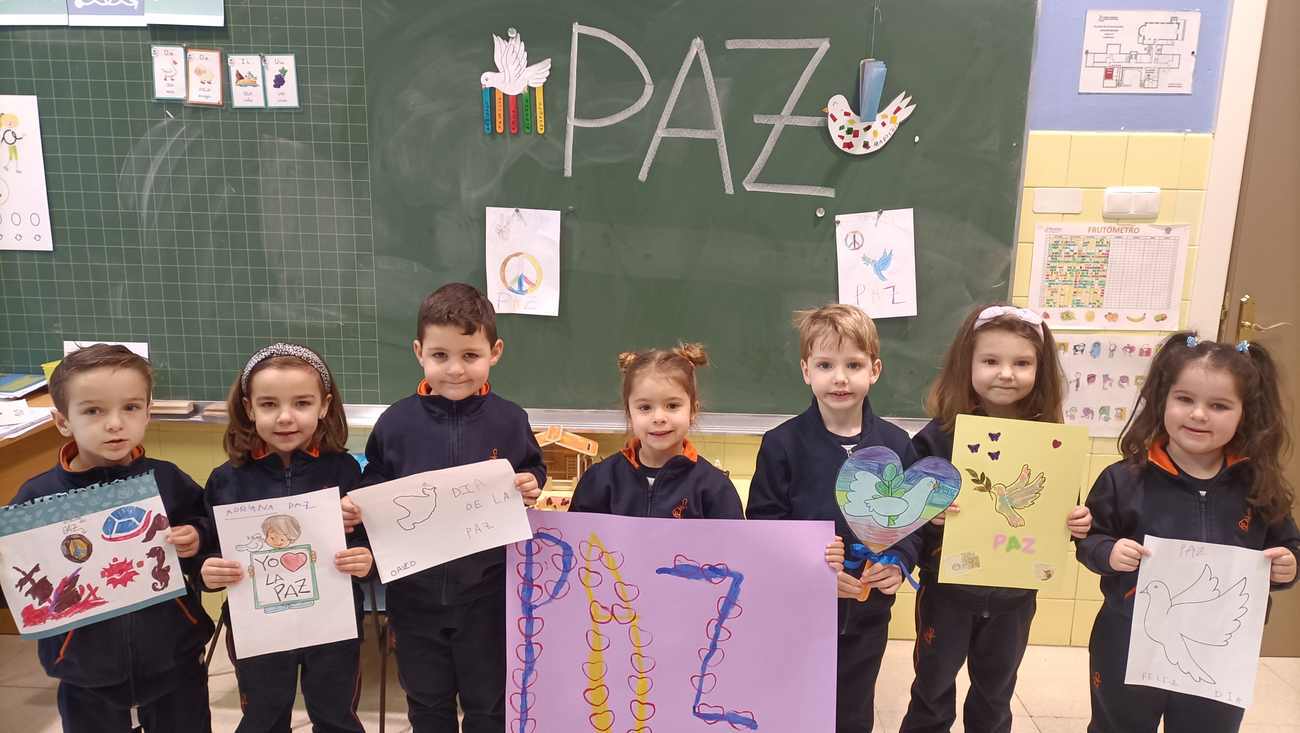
<point x="418" y="507"/>
<point x="1200" y="613"/>
<point x="513" y="73"/>
<point x="856" y="137"/>
<point x="869" y="498"/>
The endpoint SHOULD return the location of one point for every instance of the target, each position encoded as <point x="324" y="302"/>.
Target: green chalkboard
<point x="646" y="263"/>
<point x="207" y="233"/>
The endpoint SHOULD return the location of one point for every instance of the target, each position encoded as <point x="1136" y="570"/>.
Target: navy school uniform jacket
<point x="933" y="440"/>
<point x="266" y="477"/>
<point x="798" y="462"/>
<point x="1156" y="498"/>
<point x="143" y="643"/>
<point x="687" y="487"/>
<point x="426" y="432"/>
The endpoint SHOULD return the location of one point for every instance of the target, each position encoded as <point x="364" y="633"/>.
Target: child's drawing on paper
<point x="1196" y="616"/>
<point x="283" y="573"/>
<point x="418" y="507"/>
<point x="1009" y="498"/>
<point x="9" y="137"/>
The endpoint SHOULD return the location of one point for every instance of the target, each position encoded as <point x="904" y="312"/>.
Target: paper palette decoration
<point x="87" y="555"/>
<point x="882" y="503"/>
<point x="514" y="84"/>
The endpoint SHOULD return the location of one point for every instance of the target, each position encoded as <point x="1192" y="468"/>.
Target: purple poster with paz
<point x="624" y="624"/>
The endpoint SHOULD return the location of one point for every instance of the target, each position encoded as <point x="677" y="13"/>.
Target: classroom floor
<point x="1050" y="698"/>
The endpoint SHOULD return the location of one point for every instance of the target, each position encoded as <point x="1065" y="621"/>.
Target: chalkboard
<point x="646" y="263"/>
<point x="209" y="232"/>
<point x="206" y="232"/>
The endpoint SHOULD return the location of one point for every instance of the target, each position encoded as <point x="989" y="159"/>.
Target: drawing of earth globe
<point x="521" y="273"/>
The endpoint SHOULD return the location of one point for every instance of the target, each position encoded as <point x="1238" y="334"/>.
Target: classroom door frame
<point x="1265" y="260"/>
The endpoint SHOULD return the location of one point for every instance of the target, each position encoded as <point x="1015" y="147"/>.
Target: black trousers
<point x="1121" y="708"/>
<point x="174" y="701"/>
<point x="446" y="652"/>
<point x="331" y="687"/>
<point x="861" y="646"/>
<point x="949" y="632"/>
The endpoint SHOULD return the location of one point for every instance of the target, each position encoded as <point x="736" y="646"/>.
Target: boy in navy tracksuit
<point x="449" y="621"/>
<point x="1131" y="501"/>
<point x="147" y="662"/>
<point x="798" y="462"/>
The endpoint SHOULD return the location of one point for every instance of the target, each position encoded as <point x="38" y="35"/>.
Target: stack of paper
<point x="16" y="418"/>
<point x="14" y="386"/>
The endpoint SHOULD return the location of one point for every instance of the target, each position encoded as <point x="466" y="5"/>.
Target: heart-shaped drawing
<point x="883" y="504"/>
<point x="1056" y="444"/>
<point x="293" y="561"/>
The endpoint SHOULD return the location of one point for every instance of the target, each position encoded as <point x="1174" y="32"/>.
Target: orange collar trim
<point x="260" y="451"/>
<point x="69" y="451"/>
<point x="633" y="445"/>
<point x="424" y="390"/>
<point x="1158" y="455"/>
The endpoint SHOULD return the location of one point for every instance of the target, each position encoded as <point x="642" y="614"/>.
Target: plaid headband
<point x="283" y="349"/>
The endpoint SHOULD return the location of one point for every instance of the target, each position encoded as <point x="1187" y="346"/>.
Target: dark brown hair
<point x="241" y="432"/>
<point x="98" y="356"/>
<point x="677" y="364"/>
<point x="460" y="305"/>
<point x="952" y="394"/>
<point x="1263" y="435"/>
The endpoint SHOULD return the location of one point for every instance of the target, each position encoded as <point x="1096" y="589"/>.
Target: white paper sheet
<point x="523" y="260"/>
<point x="291" y="595"/>
<point x="1139" y="51"/>
<point x="876" y="260"/>
<point x="24" y="207"/>
<point x="1114" y="277"/>
<point x="1103" y="375"/>
<point x="420" y="521"/>
<point x="1198" y="618"/>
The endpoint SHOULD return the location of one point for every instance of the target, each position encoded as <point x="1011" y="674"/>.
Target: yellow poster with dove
<point x="1019" y="481"/>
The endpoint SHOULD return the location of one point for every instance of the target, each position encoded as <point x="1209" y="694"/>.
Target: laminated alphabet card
<point x="291" y="595"/>
<point x="1020" y="479"/>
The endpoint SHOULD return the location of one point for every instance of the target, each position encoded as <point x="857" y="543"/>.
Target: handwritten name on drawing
<point x="250" y="508"/>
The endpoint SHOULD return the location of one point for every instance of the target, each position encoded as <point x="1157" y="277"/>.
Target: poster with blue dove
<point x="883" y="503"/>
<point x="1198" y="619"/>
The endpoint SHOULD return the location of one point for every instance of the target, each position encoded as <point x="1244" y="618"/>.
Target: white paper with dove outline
<point x="427" y="519"/>
<point x="1198" y="619"/>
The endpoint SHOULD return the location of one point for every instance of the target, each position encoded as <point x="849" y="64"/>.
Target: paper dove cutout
<point x="882" y="503"/>
<point x="856" y="137"/>
<point x="1200" y="613"/>
<point x="513" y="73"/>
<point x="1020" y="494"/>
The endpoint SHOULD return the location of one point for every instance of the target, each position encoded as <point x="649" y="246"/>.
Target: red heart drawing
<point x="1056" y="444"/>
<point x="596" y="696"/>
<point x="293" y="560"/>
